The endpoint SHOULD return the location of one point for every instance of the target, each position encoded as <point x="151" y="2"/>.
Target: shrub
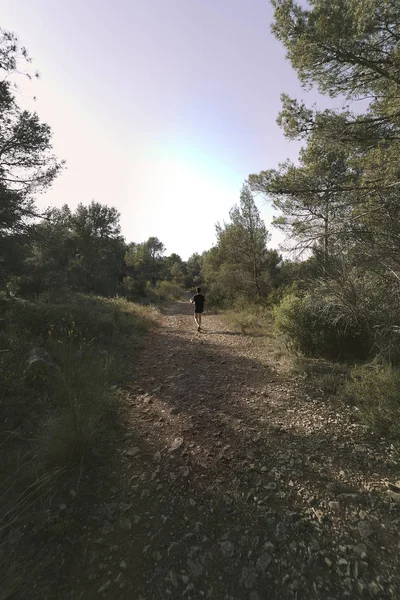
<point x="330" y="383"/>
<point x="375" y="389"/>
<point x="249" y="319"/>
<point x="79" y="400"/>
<point x="309" y="325"/>
<point x="216" y="296"/>
<point x="167" y="290"/>
<point x="87" y="337"/>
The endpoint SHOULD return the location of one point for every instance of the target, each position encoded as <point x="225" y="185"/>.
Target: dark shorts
<point x="198" y="311"/>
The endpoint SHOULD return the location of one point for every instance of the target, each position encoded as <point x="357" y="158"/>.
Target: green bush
<point x="167" y="290"/>
<point x="310" y="326"/>
<point x="132" y="289"/>
<point x="216" y="296"/>
<point x="375" y="389"/>
<point x="296" y="325"/>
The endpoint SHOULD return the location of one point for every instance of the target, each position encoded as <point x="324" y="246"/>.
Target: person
<point x="198" y="300"/>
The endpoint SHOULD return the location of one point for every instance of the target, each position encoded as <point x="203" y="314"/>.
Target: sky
<point x="161" y="108"/>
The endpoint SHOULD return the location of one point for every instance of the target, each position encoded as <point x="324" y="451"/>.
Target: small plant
<point x="375" y="390"/>
<point x="330" y="383"/>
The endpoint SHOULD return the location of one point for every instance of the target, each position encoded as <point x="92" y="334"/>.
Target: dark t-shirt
<point x="198" y="300"/>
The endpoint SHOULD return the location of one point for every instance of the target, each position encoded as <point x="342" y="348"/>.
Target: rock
<point x="174" y="411"/>
<point x="105" y="586"/>
<point x="110" y="510"/>
<point x="136" y="519"/>
<point x="280" y="532"/>
<point x="339" y="488"/>
<point x="255" y="542"/>
<point x="374" y="588"/>
<point x="122" y="564"/>
<point x="334" y="505"/>
<point x="125" y="524"/>
<point x="351" y="498"/>
<point x="269" y="547"/>
<point x="123" y="507"/>
<point x="107" y="528"/>
<point x="348" y="582"/>
<point x="271" y="485"/>
<point x="227" y="549"/>
<point x="73" y="493"/>
<point x="249" y="577"/>
<point x="145" y="494"/>
<point x="360" y="448"/>
<point x="173" y="578"/>
<point x="195" y="568"/>
<point x="132" y="452"/>
<point x="263" y="562"/>
<point x="185" y="471"/>
<point x="174" y="548"/>
<point x="176" y="444"/>
<point x="364" y="529"/>
<point x="394" y="487"/>
<point x="394" y="496"/>
<point x="188" y="591"/>
<point x="63" y="507"/>
<point x="193" y="550"/>
<point x="207" y="560"/>
<point x="361" y="550"/>
<point x="157" y="456"/>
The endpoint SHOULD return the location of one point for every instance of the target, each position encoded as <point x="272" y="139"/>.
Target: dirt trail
<point x="232" y="483"/>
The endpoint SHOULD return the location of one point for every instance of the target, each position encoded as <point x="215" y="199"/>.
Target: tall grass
<point x="56" y="414"/>
<point x="375" y="390"/>
<point x="249" y="319"/>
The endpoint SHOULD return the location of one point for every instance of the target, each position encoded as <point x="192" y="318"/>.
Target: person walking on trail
<point x="198" y="300"/>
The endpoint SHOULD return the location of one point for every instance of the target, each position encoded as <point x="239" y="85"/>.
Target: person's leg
<point x="199" y="320"/>
<point x="196" y="319"/>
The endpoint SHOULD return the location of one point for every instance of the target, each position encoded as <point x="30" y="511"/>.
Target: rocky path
<point x="232" y="483"/>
